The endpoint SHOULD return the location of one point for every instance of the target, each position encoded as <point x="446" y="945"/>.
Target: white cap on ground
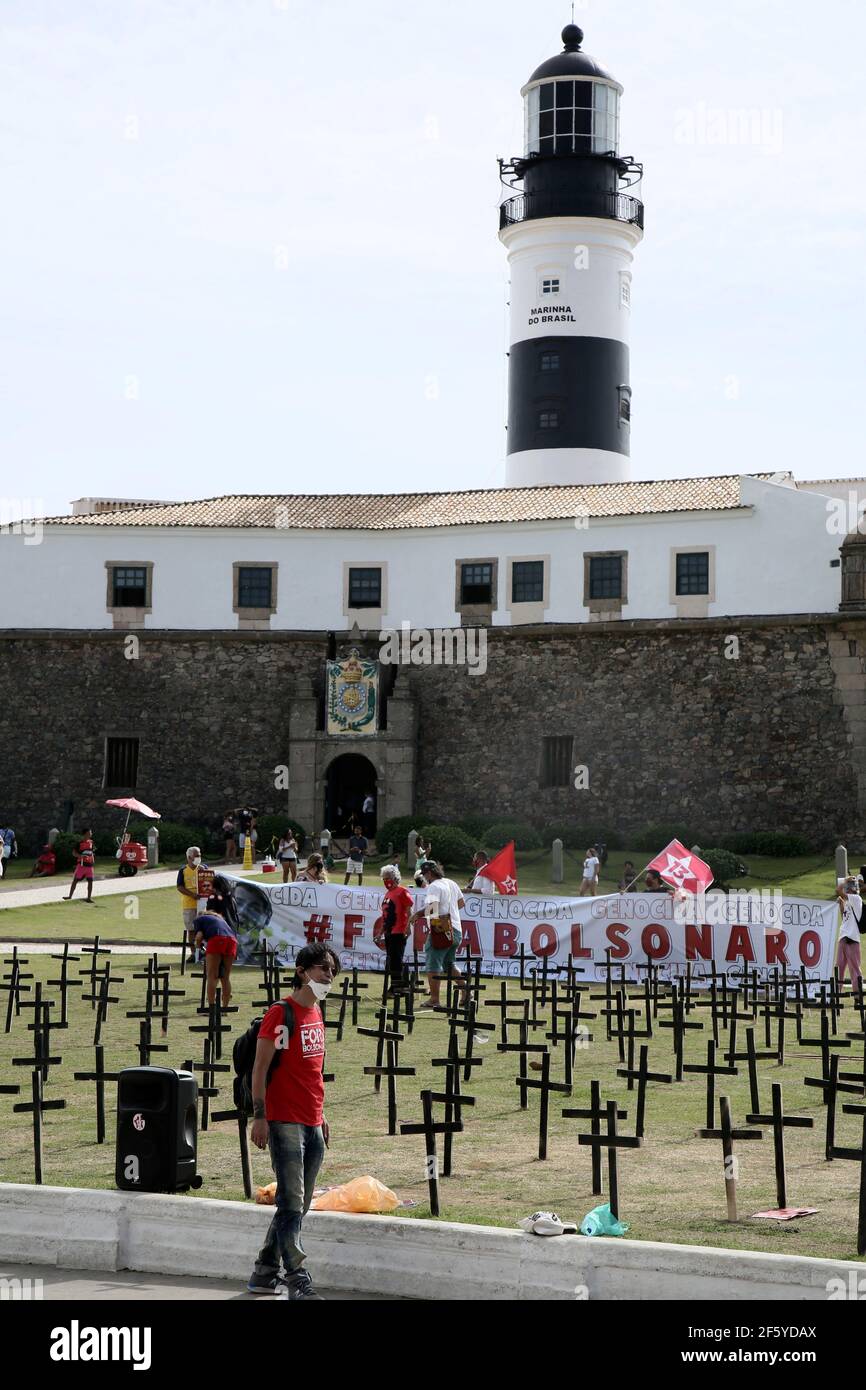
<point x="546" y="1223"/>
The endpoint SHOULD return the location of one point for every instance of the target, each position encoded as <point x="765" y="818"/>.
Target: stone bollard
<point x="556" y="869"/>
<point x="152" y="847"/>
<point x="841" y="862"/>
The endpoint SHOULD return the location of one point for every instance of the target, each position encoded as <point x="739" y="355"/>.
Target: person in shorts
<point x="221" y="948"/>
<point x="187" y="886"/>
<point x="848" y="950"/>
<point x="355" y="862"/>
<point x="84" y="867"/>
<point x="287" y="854"/>
<point x="590" y="873"/>
<point x="288" y="1116"/>
<point x="441" y="912"/>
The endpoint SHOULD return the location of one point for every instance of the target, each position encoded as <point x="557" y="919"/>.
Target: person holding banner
<point x="188" y="887"/>
<point x="441" y="911"/>
<point x="848" y="952"/>
<point x="314" y="871"/>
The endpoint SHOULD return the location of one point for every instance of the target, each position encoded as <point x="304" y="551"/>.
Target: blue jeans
<point x="297" y="1152"/>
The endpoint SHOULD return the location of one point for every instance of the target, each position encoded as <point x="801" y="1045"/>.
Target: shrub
<point x="774" y="843"/>
<point x="396" y="831"/>
<point x="726" y="867"/>
<point x="64" y="847"/>
<point x="475" y="826"/>
<point x="174" y="837"/>
<point x="498" y="834"/>
<point x="655" y="837"/>
<point x="576" y="837"/>
<point x="274" y="827"/>
<point x="452" y="848"/>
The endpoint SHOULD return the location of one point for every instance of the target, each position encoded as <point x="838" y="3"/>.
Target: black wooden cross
<point x="752" y="1057"/>
<point x="214" y="1028"/>
<point x="522" y="1047"/>
<point x="595" y="1113"/>
<point x="95" y="951"/>
<point x="859" y="1156"/>
<point x="242" y="1121"/>
<point x="103" y="1000"/>
<point x="832" y="1088"/>
<point x="452" y="1097"/>
<point x="711" y="1071"/>
<point x="15" y="985"/>
<point x="503" y="1003"/>
<point x="545" y="1086"/>
<point x="37" y="1106"/>
<point x="825" y="1043"/>
<point x="100" y="1076"/>
<point x="391" y="1071"/>
<point x="64" y="982"/>
<point x="207" y="1066"/>
<point x="430" y="1128"/>
<point x="382" y="1033"/>
<point x="611" y="1141"/>
<point x="642" y="1075"/>
<point x="146" y="1045"/>
<point x="680" y="1024"/>
<point x="728" y="1134"/>
<point x="41" y="1030"/>
<point x="780" y="1122"/>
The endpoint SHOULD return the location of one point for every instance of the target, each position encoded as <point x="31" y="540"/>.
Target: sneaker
<point x="300" y="1285"/>
<point x="266" y="1283"/>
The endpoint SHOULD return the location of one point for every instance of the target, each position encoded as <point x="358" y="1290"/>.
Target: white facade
<point x="772" y="555"/>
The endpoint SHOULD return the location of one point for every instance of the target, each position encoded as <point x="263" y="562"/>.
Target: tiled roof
<point x="395" y="511"/>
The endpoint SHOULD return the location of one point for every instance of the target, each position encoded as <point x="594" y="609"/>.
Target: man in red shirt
<point x="397" y="904"/>
<point x="288" y="1100"/>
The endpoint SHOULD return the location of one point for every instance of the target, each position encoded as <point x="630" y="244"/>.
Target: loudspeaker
<point x="157" y="1130"/>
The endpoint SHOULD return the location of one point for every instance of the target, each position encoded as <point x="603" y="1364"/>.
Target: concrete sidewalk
<point x="126" y="1286"/>
<point x="39" y="892"/>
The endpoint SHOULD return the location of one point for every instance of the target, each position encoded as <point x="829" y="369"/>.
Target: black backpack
<point x="244" y="1056"/>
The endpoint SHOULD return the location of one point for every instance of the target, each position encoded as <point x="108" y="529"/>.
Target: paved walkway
<point x="38" y="893"/>
<point x="126" y="1286"/>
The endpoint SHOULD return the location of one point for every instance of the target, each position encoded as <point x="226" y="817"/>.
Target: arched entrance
<point x="349" y="779"/>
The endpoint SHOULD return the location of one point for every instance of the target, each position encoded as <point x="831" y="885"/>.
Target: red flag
<point x="682" y="869"/>
<point x="502" y="869"/>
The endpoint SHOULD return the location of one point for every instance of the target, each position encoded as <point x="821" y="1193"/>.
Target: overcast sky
<point x="251" y="245"/>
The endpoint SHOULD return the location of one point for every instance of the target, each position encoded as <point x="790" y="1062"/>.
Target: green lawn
<point x="670" y="1189"/>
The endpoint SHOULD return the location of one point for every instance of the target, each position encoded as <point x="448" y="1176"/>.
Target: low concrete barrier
<point x="86" y="1228"/>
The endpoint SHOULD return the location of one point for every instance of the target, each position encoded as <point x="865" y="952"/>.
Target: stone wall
<point x="669" y="728"/>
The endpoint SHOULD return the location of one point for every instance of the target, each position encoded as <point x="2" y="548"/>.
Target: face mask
<point x="319" y="988"/>
<point x="196" y="861"/>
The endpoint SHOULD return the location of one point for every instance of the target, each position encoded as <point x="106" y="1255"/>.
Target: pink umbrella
<point x="129" y="804"/>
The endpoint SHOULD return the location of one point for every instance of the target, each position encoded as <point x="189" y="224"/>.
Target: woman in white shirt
<point x="590" y="874"/>
<point x="287" y="853"/>
<point x="848" y="953"/>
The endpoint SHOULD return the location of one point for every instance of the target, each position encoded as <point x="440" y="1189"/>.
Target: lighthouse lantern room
<point x="570" y="226"/>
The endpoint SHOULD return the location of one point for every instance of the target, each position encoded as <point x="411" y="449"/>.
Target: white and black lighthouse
<point x="570" y="227"/>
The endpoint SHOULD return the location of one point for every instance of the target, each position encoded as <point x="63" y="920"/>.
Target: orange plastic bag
<point x="266" y="1196"/>
<point x="360" y="1195"/>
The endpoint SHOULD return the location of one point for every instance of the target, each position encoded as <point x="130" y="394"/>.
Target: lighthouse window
<point x="569" y="115"/>
<point x="605" y="576"/>
<point x="550" y="287"/>
<point x="693" y="573"/>
<point x="550" y="361"/>
<point x="625" y="405"/>
<point x="548" y="420"/>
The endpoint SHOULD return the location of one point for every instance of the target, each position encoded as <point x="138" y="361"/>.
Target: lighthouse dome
<point x="572" y="61"/>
